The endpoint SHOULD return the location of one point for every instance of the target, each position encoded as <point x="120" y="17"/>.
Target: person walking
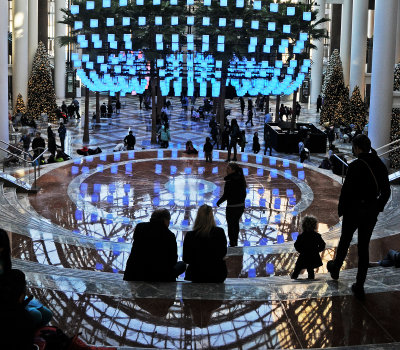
<point x="364" y="195"/>
<point x="208" y="149"/>
<point x="204" y="249"/>
<point x="242" y="104"/>
<point x="319" y="103"/>
<point x="140" y="100"/>
<point x="103" y="110"/>
<point x="75" y="102"/>
<point x="109" y="110"/>
<point x="118" y="107"/>
<point x="38" y="146"/>
<point x="235" y="195"/>
<point x="256" y="143"/>
<point x="298" y="110"/>
<point x="250" y="117"/>
<point x="26" y="142"/>
<point x="267" y="140"/>
<point x="235" y="137"/>
<point x="164" y="136"/>
<point x="242" y="141"/>
<point x="225" y="137"/>
<point x="62" y="131"/>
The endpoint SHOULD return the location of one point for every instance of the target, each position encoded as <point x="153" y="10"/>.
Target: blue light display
<point x="121" y="71"/>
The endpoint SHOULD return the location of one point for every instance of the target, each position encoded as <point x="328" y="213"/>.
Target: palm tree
<point x="143" y="36"/>
<point x="237" y="39"/>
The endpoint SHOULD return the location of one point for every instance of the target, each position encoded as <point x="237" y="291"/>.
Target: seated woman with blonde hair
<point x="204" y="249"/>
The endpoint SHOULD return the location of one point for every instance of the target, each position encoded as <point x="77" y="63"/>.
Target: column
<point x="59" y="52"/>
<point x="345" y="38"/>
<point x="317" y="58"/>
<point x="3" y="71"/>
<point x="335" y="27"/>
<point x="359" y="45"/>
<point x="371" y="18"/>
<point x="33" y="32"/>
<point x="370" y="35"/>
<point x="398" y="36"/>
<point x="380" y="113"/>
<point x="43" y="20"/>
<point x="20" y="49"/>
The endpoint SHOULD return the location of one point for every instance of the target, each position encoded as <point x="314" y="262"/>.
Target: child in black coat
<point x="309" y="244"/>
<point x="256" y="143"/>
<point x="208" y="148"/>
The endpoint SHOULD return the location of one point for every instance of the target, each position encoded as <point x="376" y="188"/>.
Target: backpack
<point x="52" y="338"/>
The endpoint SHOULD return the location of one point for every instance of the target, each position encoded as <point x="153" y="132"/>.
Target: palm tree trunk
<point x="97" y="107"/>
<point x="153" y="112"/>
<point x="293" y="120"/>
<point x="221" y="104"/>
<point x="159" y="97"/>
<point x="278" y="102"/>
<point x="86" y="122"/>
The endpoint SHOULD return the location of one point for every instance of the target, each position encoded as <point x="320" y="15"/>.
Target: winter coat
<point x="205" y="255"/>
<point x="153" y="255"/>
<point x="234" y="190"/>
<point x="359" y="187"/>
<point x="309" y="244"/>
<point x="164" y="135"/>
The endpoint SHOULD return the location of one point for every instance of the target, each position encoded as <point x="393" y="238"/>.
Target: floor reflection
<point x="193" y="323"/>
<point x="106" y="201"/>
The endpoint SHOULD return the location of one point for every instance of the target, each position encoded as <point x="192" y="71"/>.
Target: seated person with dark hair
<point x="16" y="324"/>
<point x="154" y="254"/>
<point x="190" y="148"/>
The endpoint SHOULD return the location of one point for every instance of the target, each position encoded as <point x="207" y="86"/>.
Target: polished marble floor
<point x="73" y="238"/>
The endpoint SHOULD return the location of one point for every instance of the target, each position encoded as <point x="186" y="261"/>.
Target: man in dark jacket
<point x="38" y="145"/>
<point x="130" y="141"/>
<point x="235" y="195"/>
<point x="103" y="110"/>
<point x="154" y="254"/>
<point x="364" y="195"/>
<point x="62" y="131"/>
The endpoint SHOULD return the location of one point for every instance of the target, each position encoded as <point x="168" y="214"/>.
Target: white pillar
<point x="33" y="32"/>
<point x="4" y="71"/>
<point x="317" y="58"/>
<point x="380" y="113"/>
<point x="345" y="38"/>
<point x="20" y="50"/>
<point x="359" y="45"/>
<point x="371" y="19"/>
<point x="397" y="60"/>
<point x="59" y="52"/>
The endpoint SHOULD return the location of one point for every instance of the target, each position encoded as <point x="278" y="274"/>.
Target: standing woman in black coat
<point x="235" y="195"/>
<point x="204" y="249"/>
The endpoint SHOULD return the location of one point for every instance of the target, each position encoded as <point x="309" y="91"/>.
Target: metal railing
<point x="29" y="164"/>
<point x="377" y="149"/>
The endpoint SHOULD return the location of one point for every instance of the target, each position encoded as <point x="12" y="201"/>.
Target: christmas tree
<point x="19" y="105"/>
<point x="335" y="93"/>
<point x="41" y="93"/>
<point x="334" y="61"/>
<point x="358" y="109"/>
<point x="396" y="85"/>
<point x="395" y="127"/>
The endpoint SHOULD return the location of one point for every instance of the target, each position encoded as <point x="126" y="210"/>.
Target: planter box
<point x="283" y="140"/>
